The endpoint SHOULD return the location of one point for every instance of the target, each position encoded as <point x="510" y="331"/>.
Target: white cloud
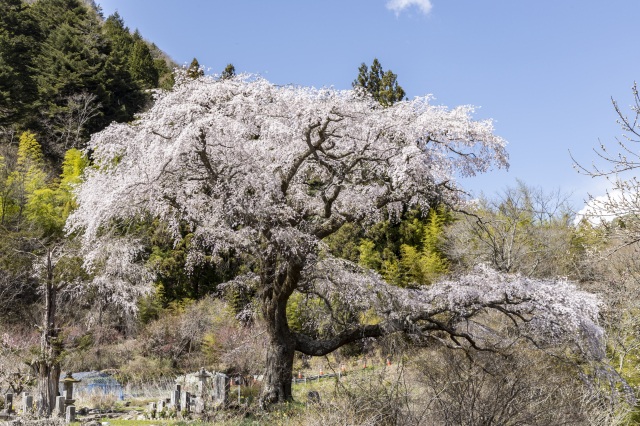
<point x="595" y="210"/>
<point x="399" y="5"/>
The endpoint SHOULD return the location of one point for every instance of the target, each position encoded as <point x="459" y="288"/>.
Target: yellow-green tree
<point x="34" y="210"/>
<point x="408" y="253"/>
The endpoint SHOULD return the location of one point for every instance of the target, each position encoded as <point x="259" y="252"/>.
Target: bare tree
<point x="67" y="128"/>
<point x="618" y="166"/>
<point x="523" y="229"/>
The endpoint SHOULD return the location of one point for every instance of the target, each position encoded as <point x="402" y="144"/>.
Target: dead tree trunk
<point x="47" y="366"/>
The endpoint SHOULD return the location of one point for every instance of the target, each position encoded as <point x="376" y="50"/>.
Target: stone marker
<point x="71" y="414"/>
<point x="175" y="398"/>
<point x="152" y="410"/>
<point x="202" y="381"/>
<point x="8" y="403"/>
<point x="220" y="391"/>
<point x="59" y="408"/>
<point x="200" y="407"/>
<point x="27" y="403"/>
<point x="184" y="401"/>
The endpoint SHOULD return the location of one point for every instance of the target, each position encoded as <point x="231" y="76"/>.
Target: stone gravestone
<point x="152" y="410"/>
<point x="220" y="389"/>
<point x="184" y="401"/>
<point x="199" y="408"/>
<point x="27" y="403"/>
<point x="202" y="377"/>
<point x="199" y="403"/>
<point x="8" y="403"/>
<point x="71" y="414"/>
<point x="175" y="398"/>
<point x="60" y="406"/>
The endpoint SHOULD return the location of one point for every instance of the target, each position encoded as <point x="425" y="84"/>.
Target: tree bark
<point x="48" y="364"/>
<point x="282" y="343"/>
<point x="279" y="370"/>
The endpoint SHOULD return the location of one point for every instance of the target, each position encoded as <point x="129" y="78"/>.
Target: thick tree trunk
<point x="48" y="364"/>
<point x="282" y="343"/>
<point x="279" y="370"/>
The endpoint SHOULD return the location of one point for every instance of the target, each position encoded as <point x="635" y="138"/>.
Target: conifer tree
<point x="195" y="70"/>
<point x="19" y="43"/>
<point x="141" y="64"/>
<point x="228" y="72"/>
<point x="383" y="86"/>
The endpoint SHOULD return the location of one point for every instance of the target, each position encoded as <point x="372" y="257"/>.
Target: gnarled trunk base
<point x="279" y="371"/>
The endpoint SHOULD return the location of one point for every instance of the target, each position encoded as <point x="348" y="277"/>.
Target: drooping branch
<point x="537" y="310"/>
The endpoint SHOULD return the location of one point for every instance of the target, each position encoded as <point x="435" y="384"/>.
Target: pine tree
<point x="383" y="86"/>
<point x="228" y="72"/>
<point x="80" y="55"/>
<point x="195" y="70"/>
<point x="118" y="34"/>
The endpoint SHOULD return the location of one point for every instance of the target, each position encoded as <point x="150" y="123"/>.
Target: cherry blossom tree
<point x="618" y="164"/>
<point x="268" y="172"/>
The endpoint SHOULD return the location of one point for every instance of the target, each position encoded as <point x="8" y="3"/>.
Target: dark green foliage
<point x="176" y="281"/>
<point x="195" y="70"/>
<point x="19" y="38"/>
<point x="141" y="63"/>
<point x="228" y="72"/>
<point x="383" y="86"/>
<point x="66" y="73"/>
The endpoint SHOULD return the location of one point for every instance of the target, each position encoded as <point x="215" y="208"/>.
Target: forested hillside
<point x="67" y="72"/>
<point x="155" y="222"/>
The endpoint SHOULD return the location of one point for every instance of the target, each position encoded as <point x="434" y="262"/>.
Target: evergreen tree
<point x="141" y="64"/>
<point x="195" y="70"/>
<point x="71" y="62"/>
<point x="118" y="34"/>
<point x="383" y="86"/>
<point x="228" y="72"/>
<point x="80" y="55"/>
<point x="124" y="96"/>
<point x="19" y="43"/>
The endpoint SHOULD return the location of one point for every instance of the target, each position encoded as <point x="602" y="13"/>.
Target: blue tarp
<point x="95" y="381"/>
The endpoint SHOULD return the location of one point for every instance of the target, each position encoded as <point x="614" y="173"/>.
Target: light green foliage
<point x="369" y="256"/>
<point x="50" y="205"/>
<point x="408" y="253"/>
<point x="28" y="177"/>
<point x="306" y="313"/>
<point x="29" y="152"/>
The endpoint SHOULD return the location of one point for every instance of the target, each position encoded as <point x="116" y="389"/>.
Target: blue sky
<point x="545" y="71"/>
